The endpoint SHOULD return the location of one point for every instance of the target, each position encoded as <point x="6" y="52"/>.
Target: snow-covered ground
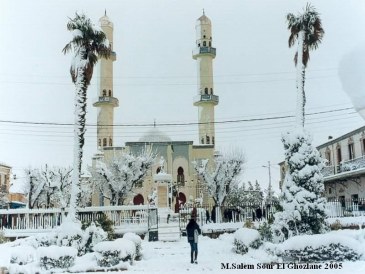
<point x="174" y="257"/>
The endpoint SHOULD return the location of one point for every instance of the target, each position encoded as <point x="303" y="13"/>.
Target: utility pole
<point x="269" y="167"/>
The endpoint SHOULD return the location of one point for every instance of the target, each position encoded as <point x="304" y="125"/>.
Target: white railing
<point x="29" y="220"/>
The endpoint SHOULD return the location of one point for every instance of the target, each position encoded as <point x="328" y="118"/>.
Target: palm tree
<point x="307" y="30"/>
<point x="88" y="44"/>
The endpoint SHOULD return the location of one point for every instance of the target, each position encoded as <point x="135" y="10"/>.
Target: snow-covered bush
<point x="110" y="253"/>
<point x="70" y="234"/>
<point x="96" y="235"/>
<point x="137" y="241"/>
<point x="320" y="248"/>
<point x="22" y="255"/>
<point x="245" y="238"/>
<point x="56" y="256"/>
<point x="265" y="232"/>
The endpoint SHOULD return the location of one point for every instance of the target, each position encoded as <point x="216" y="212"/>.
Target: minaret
<point x="206" y="100"/>
<point x="106" y="102"/>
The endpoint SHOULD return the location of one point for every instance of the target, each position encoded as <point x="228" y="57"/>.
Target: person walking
<point x="193" y="231"/>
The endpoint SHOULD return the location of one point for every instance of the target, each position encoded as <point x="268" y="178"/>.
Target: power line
<point x="176" y="124"/>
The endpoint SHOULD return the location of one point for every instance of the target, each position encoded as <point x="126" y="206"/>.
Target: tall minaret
<point x="206" y="100"/>
<point x="106" y="102"/>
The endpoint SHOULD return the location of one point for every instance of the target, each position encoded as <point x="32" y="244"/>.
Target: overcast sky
<point x="155" y="75"/>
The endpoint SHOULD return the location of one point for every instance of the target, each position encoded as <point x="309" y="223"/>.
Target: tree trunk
<point x="300" y="81"/>
<point x="79" y="131"/>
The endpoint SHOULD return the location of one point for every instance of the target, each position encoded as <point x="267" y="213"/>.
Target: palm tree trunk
<point x="300" y="81"/>
<point x="79" y="131"/>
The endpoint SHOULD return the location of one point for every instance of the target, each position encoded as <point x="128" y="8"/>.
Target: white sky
<point x="155" y="75"/>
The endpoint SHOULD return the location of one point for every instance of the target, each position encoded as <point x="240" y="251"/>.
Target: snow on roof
<point x="154" y="135"/>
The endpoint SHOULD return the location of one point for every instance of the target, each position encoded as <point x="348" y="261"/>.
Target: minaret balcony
<point x="206" y="98"/>
<point x="204" y="51"/>
<point x="106" y="100"/>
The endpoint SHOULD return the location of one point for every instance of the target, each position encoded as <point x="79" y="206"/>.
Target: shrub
<point x="105" y="223"/>
<point x="320" y="248"/>
<point x="265" y="232"/>
<point x="246" y="238"/>
<point x="95" y="236"/>
<point x="110" y="253"/>
<point x="336" y="225"/>
<point x="137" y="241"/>
<point x="56" y="257"/>
<point x="70" y="234"/>
<point x="22" y="255"/>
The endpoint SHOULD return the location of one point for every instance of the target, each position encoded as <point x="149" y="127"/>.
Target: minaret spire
<point x="106" y="102"/>
<point x="206" y="99"/>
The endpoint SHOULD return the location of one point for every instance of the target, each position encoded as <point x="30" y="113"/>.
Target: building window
<point x="351" y="151"/>
<point x="104" y="142"/>
<point x="110" y="93"/>
<point x="204" y="36"/>
<point x="204" y="43"/>
<point x="99" y="142"/>
<point x="213" y="140"/>
<point x="110" y="142"/>
<point x="158" y="170"/>
<point x="363" y="146"/>
<point x="339" y="156"/>
<point x="210" y="44"/>
<point x="180" y="176"/>
<point x="328" y="157"/>
<point x="329" y="190"/>
<point x="202" y="141"/>
<point x="104" y="92"/>
<point x="211" y="90"/>
<point x="208" y="140"/>
<point x="206" y="90"/>
<point x="355" y="198"/>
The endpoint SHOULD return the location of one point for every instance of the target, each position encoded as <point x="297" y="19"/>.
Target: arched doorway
<point x="181" y="200"/>
<point x="138" y="199"/>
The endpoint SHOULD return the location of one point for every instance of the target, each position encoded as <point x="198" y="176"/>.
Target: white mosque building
<point x="177" y="155"/>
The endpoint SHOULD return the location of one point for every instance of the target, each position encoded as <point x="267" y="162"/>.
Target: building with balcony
<point x="344" y="171"/>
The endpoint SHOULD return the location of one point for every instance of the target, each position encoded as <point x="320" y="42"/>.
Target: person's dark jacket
<point x="190" y="230"/>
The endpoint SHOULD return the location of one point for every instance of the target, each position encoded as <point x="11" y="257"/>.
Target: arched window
<point x="99" y="142"/>
<point x="104" y="142"/>
<point x="210" y="44"/>
<point x="180" y="175"/>
<point x="204" y="43"/>
<point x="211" y="90"/>
<point x="199" y="45"/>
<point x="110" y="142"/>
<point x="204" y="36"/>
<point x="206" y="90"/>
<point x="202" y="140"/>
<point x="110" y="93"/>
<point x="104" y="92"/>
<point x="208" y="140"/>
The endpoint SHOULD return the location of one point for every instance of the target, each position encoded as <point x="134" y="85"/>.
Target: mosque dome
<point x="154" y="135"/>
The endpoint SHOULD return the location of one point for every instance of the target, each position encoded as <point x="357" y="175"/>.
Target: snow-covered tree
<point x="259" y="195"/>
<point x="237" y="195"/>
<point x="307" y="30"/>
<point x="88" y="44"/>
<point x="117" y="178"/>
<point x="302" y="199"/>
<point x="48" y="186"/>
<point x="218" y="179"/>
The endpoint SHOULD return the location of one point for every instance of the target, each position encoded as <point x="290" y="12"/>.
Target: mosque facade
<point x="174" y="157"/>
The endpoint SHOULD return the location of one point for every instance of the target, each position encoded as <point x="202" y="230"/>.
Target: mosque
<point x="173" y="156"/>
